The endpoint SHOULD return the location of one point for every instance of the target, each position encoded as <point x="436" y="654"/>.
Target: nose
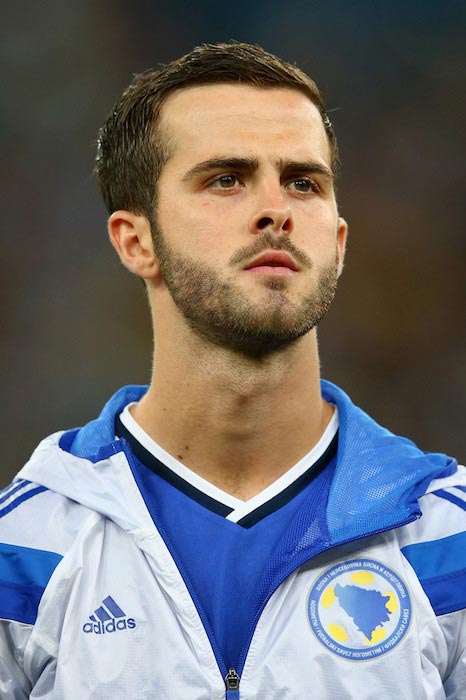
<point x="272" y="213"/>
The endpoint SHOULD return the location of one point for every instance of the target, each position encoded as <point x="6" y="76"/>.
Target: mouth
<point x="273" y="262"/>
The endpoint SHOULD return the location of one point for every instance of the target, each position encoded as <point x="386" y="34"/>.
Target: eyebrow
<point x="251" y="164"/>
<point x="222" y="164"/>
<point x="297" y="166"/>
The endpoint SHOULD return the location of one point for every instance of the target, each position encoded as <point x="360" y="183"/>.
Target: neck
<point x="237" y="422"/>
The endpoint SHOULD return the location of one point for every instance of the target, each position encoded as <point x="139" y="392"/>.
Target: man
<point x="237" y="529"/>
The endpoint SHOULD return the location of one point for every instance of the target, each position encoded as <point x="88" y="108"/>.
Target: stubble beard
<point x="220" y="313"/>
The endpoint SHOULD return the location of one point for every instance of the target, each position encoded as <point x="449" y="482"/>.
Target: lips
<point x="273" y="259"/>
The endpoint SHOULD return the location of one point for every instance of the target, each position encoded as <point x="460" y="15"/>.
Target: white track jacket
<point x="93" y="606"/>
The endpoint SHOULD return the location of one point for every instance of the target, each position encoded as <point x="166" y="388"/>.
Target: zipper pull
<point x="232" y="684"/>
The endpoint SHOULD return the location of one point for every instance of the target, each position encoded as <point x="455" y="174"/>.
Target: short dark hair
<point x="131" y="147"/>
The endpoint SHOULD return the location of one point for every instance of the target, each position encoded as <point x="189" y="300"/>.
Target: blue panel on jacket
<point x="441" y="568"/>
<point x="24" y="574"/>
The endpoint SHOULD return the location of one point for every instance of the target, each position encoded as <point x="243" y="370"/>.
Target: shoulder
<point x="435" y="544"/>
<point x="37" y="528"/>
<point x="32" y="515"/>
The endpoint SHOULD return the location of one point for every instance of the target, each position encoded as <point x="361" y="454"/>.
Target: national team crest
<point x="359" y="609"/>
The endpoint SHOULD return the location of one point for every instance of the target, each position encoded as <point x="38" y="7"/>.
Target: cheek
<point x="197" y="230"/>
<point x="317" y="234"/>
<point x="185" y="211"/>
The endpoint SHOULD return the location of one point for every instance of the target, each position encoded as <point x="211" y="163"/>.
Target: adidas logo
<point x="109" y="617"/>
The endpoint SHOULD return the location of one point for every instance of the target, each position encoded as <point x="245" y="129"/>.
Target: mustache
<point x="270" y="241"/>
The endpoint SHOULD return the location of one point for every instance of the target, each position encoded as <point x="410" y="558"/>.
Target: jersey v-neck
<point x="226" y="565"/>
<point x="244" y="513"/>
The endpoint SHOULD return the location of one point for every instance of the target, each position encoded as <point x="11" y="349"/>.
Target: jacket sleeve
<point x="27" y="562"/>
<point x="453" y="627"/>
<point x="435" y="546"/>
<point x="14" y="684"/>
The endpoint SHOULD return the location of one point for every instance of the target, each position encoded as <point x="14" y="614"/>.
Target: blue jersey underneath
<point x="225" y="564"/>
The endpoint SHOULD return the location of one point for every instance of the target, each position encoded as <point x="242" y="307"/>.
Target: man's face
<point x="247" y="233"/>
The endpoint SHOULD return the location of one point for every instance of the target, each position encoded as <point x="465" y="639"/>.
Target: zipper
<point x="232" y="684"/>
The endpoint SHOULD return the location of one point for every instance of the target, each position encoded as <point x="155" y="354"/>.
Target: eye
<point x="303" y="185"/>
<point x="224" y="182"/>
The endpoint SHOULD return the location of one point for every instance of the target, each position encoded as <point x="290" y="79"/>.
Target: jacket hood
<point x="378" y="479"/>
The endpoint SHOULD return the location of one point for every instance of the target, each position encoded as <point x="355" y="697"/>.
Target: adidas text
<point x="110" y="626"/>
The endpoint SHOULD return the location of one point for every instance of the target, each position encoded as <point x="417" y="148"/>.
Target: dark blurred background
<point x="74" y="324"/>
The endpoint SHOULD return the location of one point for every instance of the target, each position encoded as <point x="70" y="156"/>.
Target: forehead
<point x="204" y="121"/>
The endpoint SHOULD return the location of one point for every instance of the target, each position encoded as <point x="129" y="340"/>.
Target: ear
<point x="131" y="237"/>
<point x="342" y="237"/>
